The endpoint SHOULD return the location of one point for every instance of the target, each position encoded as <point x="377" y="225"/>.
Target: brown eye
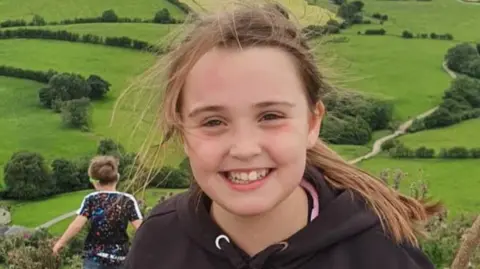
<point x="271" y="116"/>
<point x="212" y="123"/>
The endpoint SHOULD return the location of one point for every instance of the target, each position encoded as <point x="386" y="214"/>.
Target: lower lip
<point x="250" y="186"/>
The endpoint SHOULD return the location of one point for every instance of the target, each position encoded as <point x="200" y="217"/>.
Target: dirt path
<point x="56" y="220"/>
<point x="377" y="146"/>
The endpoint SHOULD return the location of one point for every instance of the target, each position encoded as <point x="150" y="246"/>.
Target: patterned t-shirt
<point x="108" y="213"/>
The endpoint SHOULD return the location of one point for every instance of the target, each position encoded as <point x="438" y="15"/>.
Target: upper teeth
<point x="248" y="176"/>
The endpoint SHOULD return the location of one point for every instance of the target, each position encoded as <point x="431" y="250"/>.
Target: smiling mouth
<point x="247" y="177"/>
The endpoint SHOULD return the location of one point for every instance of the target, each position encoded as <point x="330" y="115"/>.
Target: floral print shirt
<point x="108" y="213"/>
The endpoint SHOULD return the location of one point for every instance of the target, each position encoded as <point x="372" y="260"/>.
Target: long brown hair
<point x="267" y="25"/>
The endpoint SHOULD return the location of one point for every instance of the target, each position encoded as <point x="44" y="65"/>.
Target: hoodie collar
<point x="341" y="215"/>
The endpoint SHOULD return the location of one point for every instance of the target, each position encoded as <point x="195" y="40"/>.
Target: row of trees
<point x="28" y="175"/>
<point x="124" y="42"/>
<point x="396" y="149"/>
<point x="332" y="27"/>
<point x="409" y="35"/>
<point x="460" y="102"/>
<point x="352" y="118"/>
<point x="162" y="16"/>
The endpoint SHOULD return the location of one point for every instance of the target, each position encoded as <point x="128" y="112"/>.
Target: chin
<point x="252" y="207"/>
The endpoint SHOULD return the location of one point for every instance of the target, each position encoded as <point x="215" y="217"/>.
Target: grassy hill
<point x="462" y="134"/>
<point x="53" y="10"/>
<point x="409" y="72"/>
<point x="306" y="14"/>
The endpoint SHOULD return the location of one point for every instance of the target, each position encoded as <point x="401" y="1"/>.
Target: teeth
<point x="245" y="178"/>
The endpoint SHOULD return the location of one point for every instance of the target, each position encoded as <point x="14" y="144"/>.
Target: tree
<point x="75" y="113"/>
<point x="27" y="177"/>
<point x="99" y="87"/>
<point x="162" y="16"/>
<point x="459" y="56"/>
<point x="45" y="96"/>
<point x="64" y="174"/>
<point x="68" y="86"/>
<point x="109" y="16"/>
<point x="38" y="20"/>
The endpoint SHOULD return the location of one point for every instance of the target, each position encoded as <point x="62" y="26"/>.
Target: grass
<point x="453" y="182"/>
<point x="350" y="152"/>
<point x="34" y="213"/>
<point x="27" y="126"/>
<point x="150" y="32"/>
<point x="53" y="10"/>
<point x="116" y="65"/>
<point x="456" y="135"/>
<point x="407" y="72"/>
<point x="304" y="13"/>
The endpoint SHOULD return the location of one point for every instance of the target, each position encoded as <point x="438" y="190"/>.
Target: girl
<point x="245" y="97"/>
<point x="108" y="212"/>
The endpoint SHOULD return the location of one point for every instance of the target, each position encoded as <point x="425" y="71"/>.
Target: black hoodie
<point x="346" y="234"/>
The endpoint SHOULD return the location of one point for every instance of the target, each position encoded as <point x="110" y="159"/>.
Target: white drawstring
<point x="217" y="240"/>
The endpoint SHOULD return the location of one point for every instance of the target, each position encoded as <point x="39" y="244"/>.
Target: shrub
<point x="27" y="177"/>
<point x="475" y="153"/>
<point x="75" y="113"/>
<point x="109" y="16"/>
<point x="407" y="34"/>
<point x="425" y="153"/>
<point x="375" y="32"/>
<point x="389" y="144"/>
<point x="454" y="153"/>
<point x="401" y="151"/>
<point x="345" y="129"/>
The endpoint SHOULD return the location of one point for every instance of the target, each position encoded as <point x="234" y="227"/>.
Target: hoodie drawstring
<point x="222" y="242"/>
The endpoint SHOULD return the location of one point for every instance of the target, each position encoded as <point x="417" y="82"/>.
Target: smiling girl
<point x="245" y="96"/>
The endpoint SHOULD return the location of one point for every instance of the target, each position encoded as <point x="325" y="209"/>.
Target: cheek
<point x="286" y="142"/>
<point x="204" y="153"/>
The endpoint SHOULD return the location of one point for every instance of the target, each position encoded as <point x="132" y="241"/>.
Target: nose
<point x="245" y="145"/>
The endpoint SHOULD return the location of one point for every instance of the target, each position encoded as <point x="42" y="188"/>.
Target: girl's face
<point x="247" y="127"/>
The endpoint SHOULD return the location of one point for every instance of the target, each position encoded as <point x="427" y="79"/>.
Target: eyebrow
<point x="218" y="108"/>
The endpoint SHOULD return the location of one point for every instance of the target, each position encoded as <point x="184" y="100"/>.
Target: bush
<point x="64" y="174"/>
<point x="475" y="153"/>
<point x="389" y="144"/>
<point x="445" y="237"/>
<point x="345" y="129"/>
<point x="407" y="34"/>
<point x="401" y="151"/>
<point x="124" y="42"/>
<point x="75" y="113"/>
<point x="455" y="153"/>
<point x="109" y="16"/>
<point x="27" y="177"/>
<point x="425" y="153"/>
<point x="40" y="76"/>
<point x="375" y="32"/>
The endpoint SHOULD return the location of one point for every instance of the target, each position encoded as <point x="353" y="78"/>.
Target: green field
<point x="304" y="13"/>
<point x="150" y="32"/>
<point x="455" y="183"/>
<point x="118" y="66"/>
<point x="53" y="10"/>
<point x="27" y="126"/>
<point x="32" y="214"/>
<point x="408" y="72"/>
<point x="462" y="134"/>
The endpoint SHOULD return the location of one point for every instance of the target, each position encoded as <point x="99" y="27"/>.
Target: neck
<point x="255" y="233"/>
<point x="107" y="188"/>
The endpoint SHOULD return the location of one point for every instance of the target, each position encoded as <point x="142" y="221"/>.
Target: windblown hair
<point x="104" y="169"/>
<point x="268" y="26"/>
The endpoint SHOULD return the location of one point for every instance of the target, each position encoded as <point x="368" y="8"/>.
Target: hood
<point x="342" y="215"/>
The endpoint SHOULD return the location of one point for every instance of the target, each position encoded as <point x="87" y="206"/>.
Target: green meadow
<point x="455" y="183"/>
<point x="53" y="10"/>
<point x="462" y="135"/>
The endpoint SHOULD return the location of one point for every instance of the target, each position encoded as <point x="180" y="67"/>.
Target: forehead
<point x="229" y="76"/>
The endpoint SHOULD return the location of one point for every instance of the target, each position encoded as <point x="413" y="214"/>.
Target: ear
<point x="315" y="123"/>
